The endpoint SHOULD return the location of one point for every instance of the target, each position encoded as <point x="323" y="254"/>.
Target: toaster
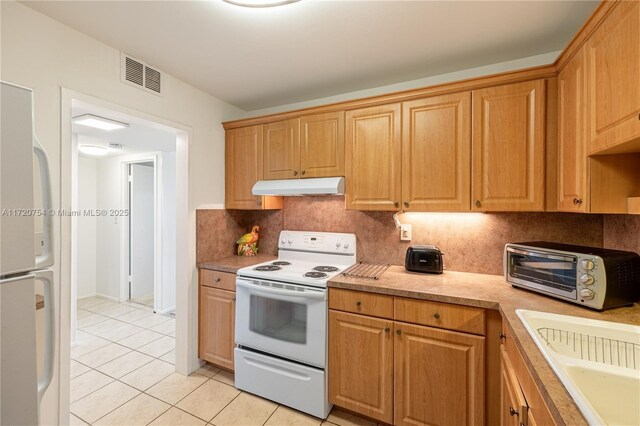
<point x="425" y="259"/>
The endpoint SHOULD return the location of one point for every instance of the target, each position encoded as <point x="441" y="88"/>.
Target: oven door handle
<point x="306" y="294"/>
<point x="541" y="254"/>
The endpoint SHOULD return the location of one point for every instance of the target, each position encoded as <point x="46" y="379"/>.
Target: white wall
<point x="86" y="228"/>
<point x="531" y="61"/>
<point x="43" y="54"/>
<point x="168" y="300"/>
<point x="109" y="174"/>
<point x="142" y="230"/>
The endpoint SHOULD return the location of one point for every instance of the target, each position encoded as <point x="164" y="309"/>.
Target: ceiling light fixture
<point x="259" y="3"/>
<point x="96" y="150"/>
<point x="98" y="122"/>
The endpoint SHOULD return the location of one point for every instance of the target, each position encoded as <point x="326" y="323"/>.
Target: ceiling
<point x="261" y="57"/>
<point x="141" y="136"/>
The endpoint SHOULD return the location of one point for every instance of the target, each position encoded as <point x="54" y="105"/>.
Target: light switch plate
<point x="405" y="232"/>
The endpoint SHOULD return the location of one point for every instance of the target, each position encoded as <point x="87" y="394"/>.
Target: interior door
<point x="141" y="232"/>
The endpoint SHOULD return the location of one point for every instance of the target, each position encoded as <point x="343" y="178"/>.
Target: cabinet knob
<point x="259" y="202"/>
<point x="398" y="332"/>
<point x="358" y="303"/>
<point x="577" y="201"/>
<point x="295" y="173"/>
<point x="218" y="280"/>
<point x="396" y="203"/>
<point x="501" y="335"/>
<point x="406" y="204"/>
<point x="478" y="203"/>
<point x="387" y="330"/>
<point x="304" y="172"/>
<point x="513" y="411"/>
<point x="436" y="315"/>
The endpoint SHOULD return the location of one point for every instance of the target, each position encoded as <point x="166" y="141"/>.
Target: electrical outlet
<point x="405" y="232"/>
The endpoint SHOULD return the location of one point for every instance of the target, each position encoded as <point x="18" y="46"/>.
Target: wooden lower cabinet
<point x="405" y="374"/>
<point x="439" y="376"/>
<point x="217" y="326"/>
<point x="514" y="405"/>
<point x="361" y="364"/>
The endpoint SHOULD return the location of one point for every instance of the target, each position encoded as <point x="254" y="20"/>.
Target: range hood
<point x="316" y="186"/>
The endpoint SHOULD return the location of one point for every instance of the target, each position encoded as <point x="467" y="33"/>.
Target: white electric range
<point x="281" y="319"/>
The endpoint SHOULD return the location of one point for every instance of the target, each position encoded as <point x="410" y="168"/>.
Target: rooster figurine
<point x="248" y="243"/>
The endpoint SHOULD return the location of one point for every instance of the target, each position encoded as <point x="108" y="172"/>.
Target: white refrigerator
<point x="25" y="261"/>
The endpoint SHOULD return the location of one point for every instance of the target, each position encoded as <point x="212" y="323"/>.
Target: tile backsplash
<point x="472" y="242"/>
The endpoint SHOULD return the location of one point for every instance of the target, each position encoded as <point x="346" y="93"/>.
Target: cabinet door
<point x="282" y="149"/>
<point x="243" y="167"/>
<point x="572" y="153"/>
<point x="514" y="406"/>
<point x="436" y="153"/>
<point x="613" y="75"/>
<point x="217" y="326"/>
<point x="373" y="150"/>
<point x="508" y="147"/>
<point x="322" y="145"/>
<point x="439" y="377"/>
<point x="361" y="364"/>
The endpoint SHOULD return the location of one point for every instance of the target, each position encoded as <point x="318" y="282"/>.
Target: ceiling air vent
<point x="139" y="74"/>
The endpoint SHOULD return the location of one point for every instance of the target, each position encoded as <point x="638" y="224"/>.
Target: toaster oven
<point x="593" y="277"/>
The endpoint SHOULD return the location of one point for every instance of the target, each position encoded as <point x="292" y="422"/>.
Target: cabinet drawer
<point x="441" y="315"/>
<point x="216" y="279"/>
<point x="359" y="302"/>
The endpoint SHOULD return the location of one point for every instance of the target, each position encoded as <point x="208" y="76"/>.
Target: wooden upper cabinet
<point x="508" y="169"/>
<point x="439" y="377"/>
<point x="243" y="168"/>
<point x="282" y="149"/>
<point x="322" y="145"/>
<point x="572" y="151"/>
<point x="373" y="158"/>
<point x="436" y="153"/>
<point x="613" y="78"/>
<point x="361" y="364"/>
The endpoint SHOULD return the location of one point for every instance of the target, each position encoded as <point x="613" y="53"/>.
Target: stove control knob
<point x="586" y="279"/>
<point x="345" y="245"/>
<point x="587" y="264"/>
<point x="585" y="293"/>
<point x="290" y="241"/>
<point x="284" y="240"/>
<point x="338" y="244"/>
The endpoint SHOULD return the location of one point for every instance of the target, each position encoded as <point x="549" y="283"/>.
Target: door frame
<point x="186" y="296"/>
<point x="156" y="159"/>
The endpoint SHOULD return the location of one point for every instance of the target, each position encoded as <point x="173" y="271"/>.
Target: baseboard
<point x="104" y="296"/>
<point x="166" y="311"/>
<point x="86" y="296"/>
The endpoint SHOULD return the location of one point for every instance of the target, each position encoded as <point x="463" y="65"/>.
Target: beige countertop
<point x="493" y="292"/>
<point x="233" y="263"/>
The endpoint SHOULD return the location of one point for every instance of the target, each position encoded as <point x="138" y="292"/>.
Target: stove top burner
<point x="267" y="268"/>
<point x="314" y="274"/>
<point x="281" y="263"/>
<point x="325" y="268"/>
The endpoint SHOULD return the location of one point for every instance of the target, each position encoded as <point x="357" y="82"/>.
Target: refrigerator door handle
<point x="49" y="333"/>
<point x="46" y="258"/>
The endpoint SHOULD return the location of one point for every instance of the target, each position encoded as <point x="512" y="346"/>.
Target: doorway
<point x="141" y="233"/>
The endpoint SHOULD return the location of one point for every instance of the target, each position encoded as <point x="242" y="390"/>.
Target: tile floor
<point x="122" y="374"/>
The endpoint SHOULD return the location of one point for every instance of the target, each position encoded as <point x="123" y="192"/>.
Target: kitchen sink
<point x="597" y="361"/>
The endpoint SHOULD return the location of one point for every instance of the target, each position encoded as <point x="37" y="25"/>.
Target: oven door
<point x="282" y="319"/>
<point x="555" y="273"/>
